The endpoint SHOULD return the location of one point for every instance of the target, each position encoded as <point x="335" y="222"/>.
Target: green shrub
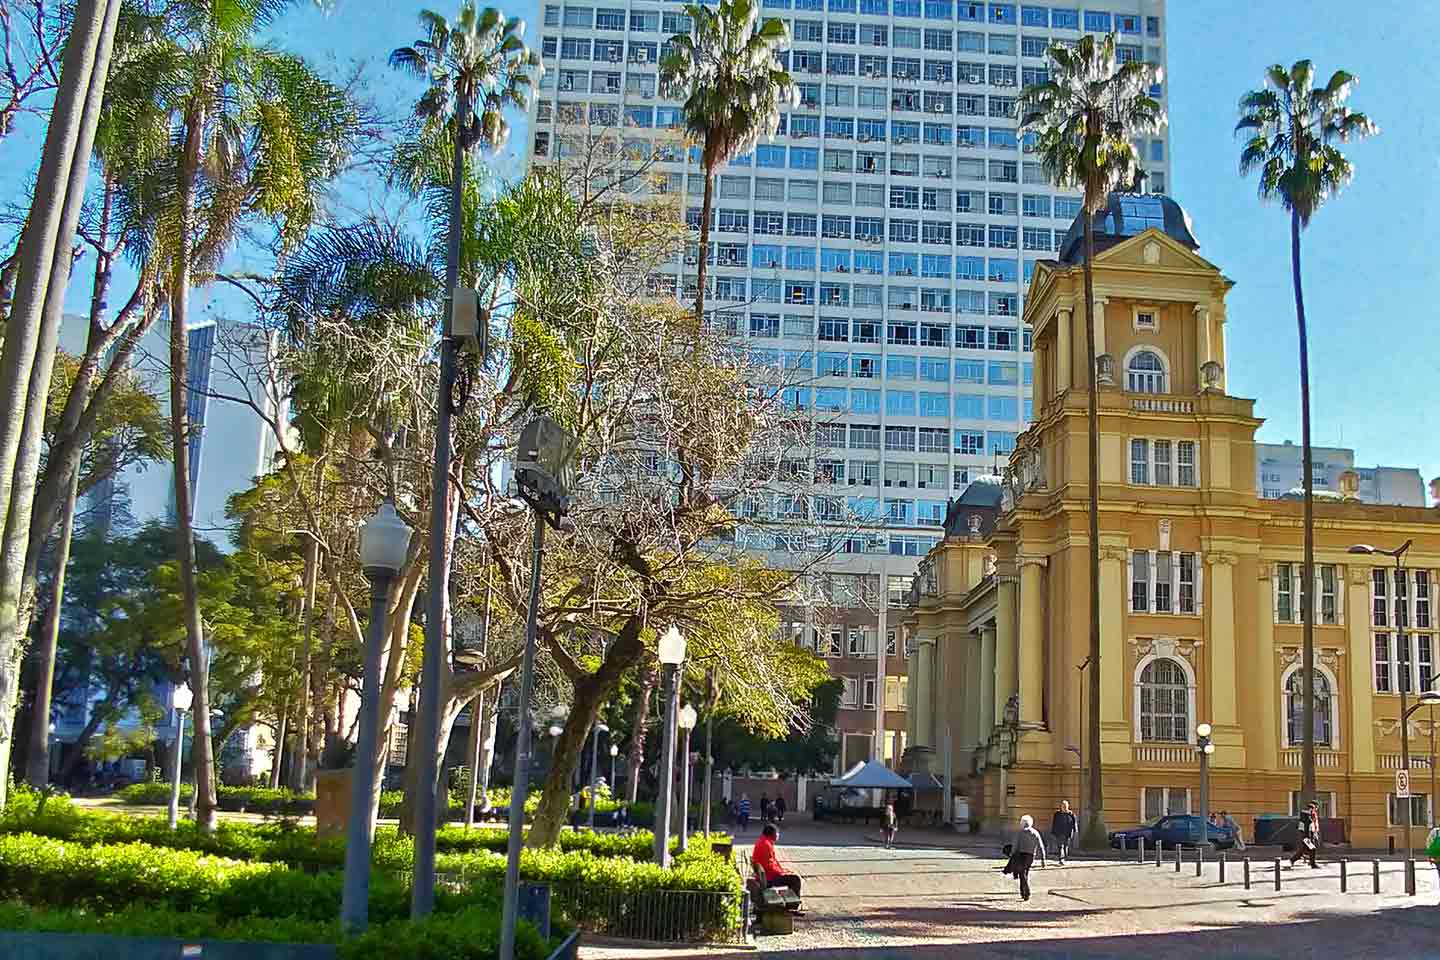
<point x="471" y="934"/>
<point x="255" y="799"/>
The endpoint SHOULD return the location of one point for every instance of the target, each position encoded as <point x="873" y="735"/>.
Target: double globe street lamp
<point x="687" y="723"/>
<point x="672" y="655"/>
<point x="180" y="698"/>
<point x="1206" y="749"/>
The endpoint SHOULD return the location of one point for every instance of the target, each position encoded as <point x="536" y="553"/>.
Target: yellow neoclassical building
<point x="1200" y="579"/>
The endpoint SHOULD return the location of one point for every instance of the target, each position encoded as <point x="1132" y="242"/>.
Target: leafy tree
<point x="1085" y="116"/>
<point x="1291" y="128"/>
<point x="254" y="134"/>
<point x="806" y="750"/>
<point x="726" y="71"/>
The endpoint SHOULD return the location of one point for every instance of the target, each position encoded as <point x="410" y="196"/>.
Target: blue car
<point x="1171" y="831"/>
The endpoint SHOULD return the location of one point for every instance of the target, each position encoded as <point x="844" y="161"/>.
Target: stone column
<point x="1263" y="746"/>
<point x="1007" y="639"/>
<point x="1204" y="348"/>
<point x="1359" y="655"/>
<point x="1064" y="353"/>
<point x="1116" y="737"/>
<point x="988" y="667"/>
<point x="1100" y="327"/>
<point x="1223" y="671"/>
<point x="972" y="725"/>
<point x="1032" y="641"/>
<point x="925" y="704"/>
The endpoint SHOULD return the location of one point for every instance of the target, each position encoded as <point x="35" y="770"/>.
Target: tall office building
<point x="882" y="241"/>
<point x="1279" y="470"/>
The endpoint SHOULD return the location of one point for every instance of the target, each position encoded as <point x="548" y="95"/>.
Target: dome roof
<point x="1126" y="215"/>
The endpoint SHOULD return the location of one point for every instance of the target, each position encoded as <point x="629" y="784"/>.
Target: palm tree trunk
<point x="33" y="329"/>
<point x="649" y="676"/>
<point x="202" y="754"/>
<point x="1096" y="835"/>
<point x="1307" y="589"/>
<point x="701" y="272"/>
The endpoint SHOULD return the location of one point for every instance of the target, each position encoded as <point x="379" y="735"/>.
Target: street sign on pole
<point x="1402" y="784"/>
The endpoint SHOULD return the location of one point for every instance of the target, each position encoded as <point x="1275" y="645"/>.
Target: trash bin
<point x="1276" y="829"/>
<point x="534" y="906"/>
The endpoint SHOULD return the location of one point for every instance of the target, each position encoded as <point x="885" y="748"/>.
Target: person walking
<point x="742" y="812"/>
<point x="1432" y="848"/>
<point x="888" y="824"/>
<point x="764" y="808"/>
<point x="1063" y="827"/>
<point x="780" y="808"/>
<point x="1230" y="823"/>
<point x="1028" y="843"/>
<point x="1308" y="839"/>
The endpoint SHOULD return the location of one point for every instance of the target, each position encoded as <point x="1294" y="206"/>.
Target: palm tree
<point x="727" y="72"/>
<point x="1291" y="129"/>
<point x="1085" y="115"/>
<point x="255" y="135"/>
<point x="475" y="68"/>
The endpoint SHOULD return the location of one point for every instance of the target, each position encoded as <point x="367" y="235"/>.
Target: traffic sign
<point x="1402" y="784"/>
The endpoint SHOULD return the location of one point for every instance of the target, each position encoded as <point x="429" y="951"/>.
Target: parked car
<point x="1172" y="831"/>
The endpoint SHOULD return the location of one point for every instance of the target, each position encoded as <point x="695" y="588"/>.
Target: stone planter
<point x="332" y="802"/>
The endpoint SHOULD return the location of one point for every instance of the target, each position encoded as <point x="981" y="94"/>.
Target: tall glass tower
<point x="882" y="241"/>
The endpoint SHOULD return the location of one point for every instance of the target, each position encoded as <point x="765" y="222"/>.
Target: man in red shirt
<point x="763" y="856"/>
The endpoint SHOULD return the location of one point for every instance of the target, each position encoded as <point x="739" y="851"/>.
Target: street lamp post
<point x="180" y="698"/>
<point x="1404" y="682"/>
<point x="595" y="766"/>
<point x="1205" y="748"/>
<point x="1427" y="698"/>
<point x="542" y="477"/>
<point x="384" y="544"/>
<point x="687" y="723"/>
<point x="672" y="655"/>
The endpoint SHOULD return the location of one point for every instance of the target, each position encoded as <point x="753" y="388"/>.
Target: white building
<point x="232" y="445"/>
<point x="882" y="242"/>
<point x="1278" y="470"/>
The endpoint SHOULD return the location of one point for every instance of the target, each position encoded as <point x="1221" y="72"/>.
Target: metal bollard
<point x="1200" y="861"/>
<point x="1179" y="855"/>
<point x="1410" y="878"/>
<point x="1141" y="848"/>
<point x="1159" y="852"/>
<point x="1344" y="880"/>
<point x="1247" y="873"/>
<point x="1375" y="874"/>
<point x="1277" y="873"/>
<point x="1222" y="868"/>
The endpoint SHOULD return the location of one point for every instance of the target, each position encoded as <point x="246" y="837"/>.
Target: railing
<point x="1391" y="761"/>
<point x="1170" y="755"/>
<point x="1161" y="405"/>
<point x="1324" y="759"/>
<point x="660" y="916"/>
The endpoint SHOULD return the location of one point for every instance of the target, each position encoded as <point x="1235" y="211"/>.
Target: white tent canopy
<point x="871" y="775"/>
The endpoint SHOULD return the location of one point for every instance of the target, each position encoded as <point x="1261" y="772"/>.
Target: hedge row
<point x="470" y="934"/>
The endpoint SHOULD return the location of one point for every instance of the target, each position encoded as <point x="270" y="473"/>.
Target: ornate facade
<point x="1200" y="578"/>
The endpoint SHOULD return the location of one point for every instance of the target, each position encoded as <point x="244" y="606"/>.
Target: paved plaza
<point x="938" y="896"/>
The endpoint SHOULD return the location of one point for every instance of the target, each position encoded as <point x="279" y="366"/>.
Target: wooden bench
<point x="775" y="907"/>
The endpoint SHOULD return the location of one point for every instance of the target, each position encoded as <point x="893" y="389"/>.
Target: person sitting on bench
<point x="763" y="857"/>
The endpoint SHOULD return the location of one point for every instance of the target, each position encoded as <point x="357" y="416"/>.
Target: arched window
<point x="1145" y="373"/>
<point x="1295" y="709"/>
<point x="1164" y="702"/>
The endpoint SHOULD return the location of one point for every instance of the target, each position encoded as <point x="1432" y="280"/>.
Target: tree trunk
<point x="487" y="745"/>
<point x="302" y="765"/>
<point x="702" y="270"/>
<point x="278" y="758"/>
<point x="33" y="328"/>
<point x="650" y="675"/>
<point x="38" y="763"/>
<point x="202" y="753"/>
<point x="37" y="766"/>
<point x="1307" y="591"/>
<point x="1096" y="834"/>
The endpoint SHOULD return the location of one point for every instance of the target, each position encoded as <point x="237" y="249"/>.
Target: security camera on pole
<point x="543" y="476"/>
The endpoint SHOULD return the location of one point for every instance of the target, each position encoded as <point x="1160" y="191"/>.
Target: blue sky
<point x="1367" y="272"/>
